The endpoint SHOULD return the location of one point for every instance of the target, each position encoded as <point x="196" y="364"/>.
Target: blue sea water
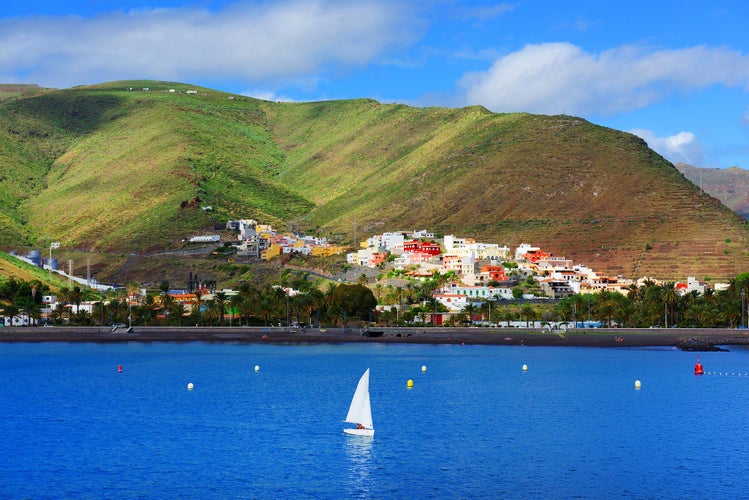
<point x="474" y="425"/>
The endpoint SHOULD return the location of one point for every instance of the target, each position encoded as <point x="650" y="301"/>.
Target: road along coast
<point x="685" y="338"/>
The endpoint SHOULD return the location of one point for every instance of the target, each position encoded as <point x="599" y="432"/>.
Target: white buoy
<point x="423" y="368"/>
<point x="637" y="384"/>
<point x="190" y="386"/>
<point x="257" y="368"/>
<point x="525" y="368"/>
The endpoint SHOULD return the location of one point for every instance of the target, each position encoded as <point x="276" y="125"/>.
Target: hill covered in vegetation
<point x="115" y="169"/>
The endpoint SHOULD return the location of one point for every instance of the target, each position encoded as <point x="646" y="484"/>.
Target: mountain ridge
<point x="113" y="168"/>
<point x="730" y="185"/>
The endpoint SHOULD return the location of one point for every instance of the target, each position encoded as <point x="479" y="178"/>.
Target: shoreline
<point x="684" y="338"/>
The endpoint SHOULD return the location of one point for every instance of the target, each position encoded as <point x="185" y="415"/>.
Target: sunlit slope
<point x="119" y="169"/>
<point x="597" y="195"/>
<point x="147" y="163"/>
<point x="10" y="267"/>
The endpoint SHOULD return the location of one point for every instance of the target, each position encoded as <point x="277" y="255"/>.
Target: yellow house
<point x="272" y="251"/>
<point x="327" y="250"/>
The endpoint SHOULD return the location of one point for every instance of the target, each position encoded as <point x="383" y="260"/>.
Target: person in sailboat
<point x="360" y="426"/>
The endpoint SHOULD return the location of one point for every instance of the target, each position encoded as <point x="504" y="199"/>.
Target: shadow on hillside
<point x="76" y="113"/>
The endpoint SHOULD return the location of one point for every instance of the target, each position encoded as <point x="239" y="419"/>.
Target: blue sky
<point x="675" y="73"/>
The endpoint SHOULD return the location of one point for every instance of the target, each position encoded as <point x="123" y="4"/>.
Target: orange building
<point x="495" y="273"/>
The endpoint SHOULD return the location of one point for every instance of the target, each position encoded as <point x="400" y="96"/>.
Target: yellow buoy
<point x="190" y="386"/>
<point x="423" y="368"/>
<point x="637" y="384"/>
<point x="410" y="383"/>
<point x="257" y="368"/>
<point x="525" y="368"/>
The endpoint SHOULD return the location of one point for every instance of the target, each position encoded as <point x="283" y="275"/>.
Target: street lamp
<point x="588" y="310"/>
<point x="574" y="314"/>
<point x="54" y="244"/>
<point x="742" y="307"/>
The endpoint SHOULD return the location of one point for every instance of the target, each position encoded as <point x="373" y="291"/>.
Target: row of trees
<point x="340" y="304"/>
<point x="19" y="297"/>
<point x="651" y="305"/>
<point x="663" y="306"/>
<point x="252" y="305"/>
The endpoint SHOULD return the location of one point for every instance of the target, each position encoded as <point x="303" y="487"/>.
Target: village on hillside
<point x="481" y="270"/>
<point x="473" y="272"/>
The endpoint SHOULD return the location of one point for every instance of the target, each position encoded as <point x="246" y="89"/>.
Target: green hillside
<point x="11" y="267"/>
<point x="116" y="169"/>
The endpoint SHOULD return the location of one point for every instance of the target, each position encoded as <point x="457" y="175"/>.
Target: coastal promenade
<point x="618" y="337"/>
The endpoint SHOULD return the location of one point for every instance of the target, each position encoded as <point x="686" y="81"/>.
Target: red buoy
<point x="119" y="368"/>
<point x="698" y="367"/>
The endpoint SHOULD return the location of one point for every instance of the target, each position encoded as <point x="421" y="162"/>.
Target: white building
<point x="452" y="301"/>
<point x="523" y="249"/>
<point x="478" y="292"/>
<point x="422" y="234"/>
<point x="481" y="251"/>
<point x="393" y="242"/>
<point x="205" y="238"/>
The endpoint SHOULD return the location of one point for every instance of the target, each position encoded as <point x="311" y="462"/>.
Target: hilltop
<point x="113" y="169"/>
<point x="730" y="185"/>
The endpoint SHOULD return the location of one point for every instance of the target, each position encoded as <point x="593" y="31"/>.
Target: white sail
<point x="360" y="411"/>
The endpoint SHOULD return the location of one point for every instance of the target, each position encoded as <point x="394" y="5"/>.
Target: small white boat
<point x="360" y="411"/>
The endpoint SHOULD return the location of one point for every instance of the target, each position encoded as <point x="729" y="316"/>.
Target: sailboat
<point x="360" y="411"/>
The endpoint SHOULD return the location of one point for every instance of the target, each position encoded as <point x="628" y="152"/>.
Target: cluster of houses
<point x="481" y="269"/>
<point x="262" y="241"/>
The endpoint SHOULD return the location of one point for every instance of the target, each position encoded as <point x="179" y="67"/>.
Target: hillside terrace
<point x="477" y="264"/>
<point x="474" y="263"/>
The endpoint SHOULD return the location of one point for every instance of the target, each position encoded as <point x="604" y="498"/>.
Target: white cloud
<point x="682" y="147"/>
<point x="267" y="95"/>
<point x="557" y="78"/>
<point x="249" y="41"/>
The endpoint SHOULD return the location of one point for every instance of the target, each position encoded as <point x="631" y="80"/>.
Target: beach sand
<point x="619" y="337"/>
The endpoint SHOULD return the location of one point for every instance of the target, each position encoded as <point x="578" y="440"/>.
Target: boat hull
<point x="359" y="432"/>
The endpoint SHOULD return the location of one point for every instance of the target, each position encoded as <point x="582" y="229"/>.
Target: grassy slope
<point x="596" y="195"/>
<point x="12" y="267"/>
<point x="106" y="169"/>
<point x="128" y="159"/>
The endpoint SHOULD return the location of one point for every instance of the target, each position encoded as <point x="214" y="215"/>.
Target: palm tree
<point x="212" y="311"/>
<point x="604" y="307"/>
<point x="178" y="310"/>
<point x="670" y="302"/>
<point x="198" y="304"/>
<point x="100" y="311"/>
<point x="529" y="313"/>
<point x="235" y="303"/>
<point x="469" y="310"/>
<point x="11" y="311"/>
<point x="220" y="298"/>
<point x="431" y="307"/>
<point x="318" y="303"/>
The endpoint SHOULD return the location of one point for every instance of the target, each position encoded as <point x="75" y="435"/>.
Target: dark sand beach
<point x="693" y="339"/>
